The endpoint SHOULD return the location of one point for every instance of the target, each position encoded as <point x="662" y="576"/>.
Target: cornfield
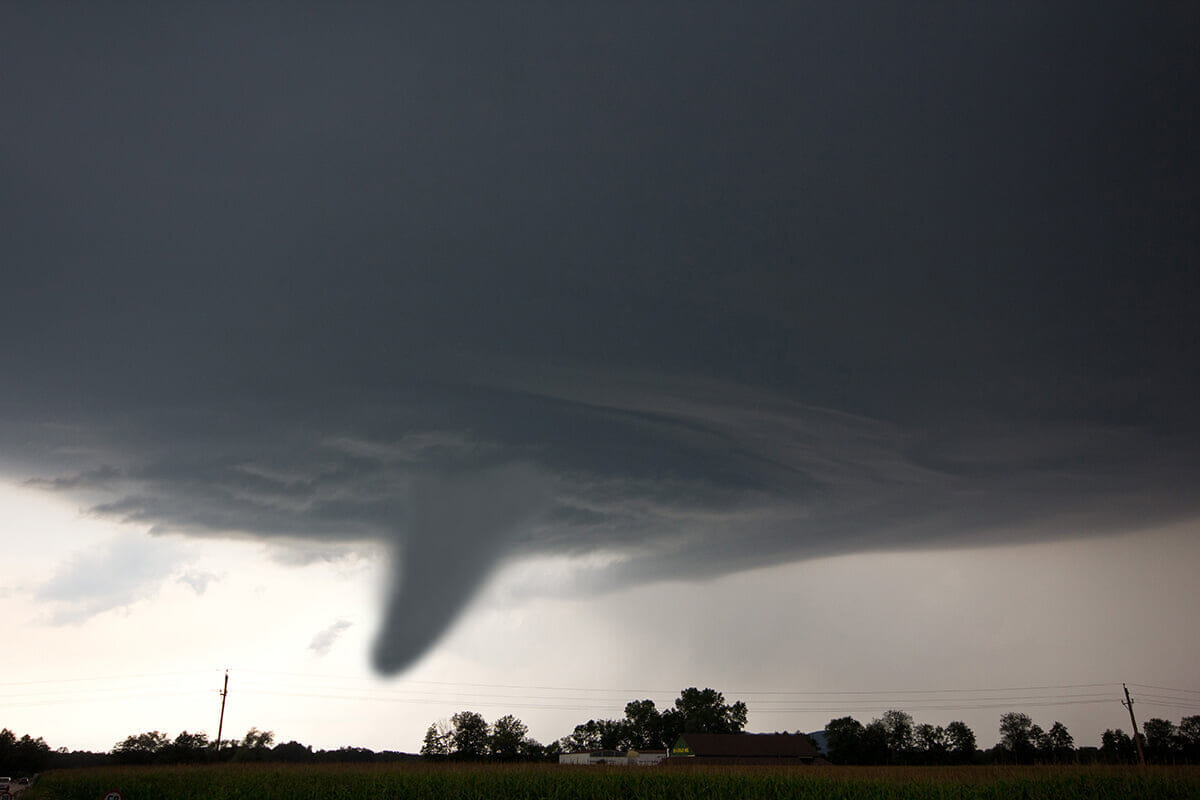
<point x="530" y="782"/>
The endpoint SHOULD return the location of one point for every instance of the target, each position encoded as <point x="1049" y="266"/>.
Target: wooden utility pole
<point x="221" y="724"/>
<point x="1137" y="737"/>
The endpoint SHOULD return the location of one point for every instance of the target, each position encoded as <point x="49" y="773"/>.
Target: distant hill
<point x="822" y="742"/>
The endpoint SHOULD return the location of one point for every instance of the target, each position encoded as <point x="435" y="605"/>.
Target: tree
<point x="1041" y="743"/>
<point x="961" y="740"/>
<point x="1159" y="737"/>
<point x="188" y="748"/>
<point x="702" y="711"/>
<point x="932" y="743"/>
<point x="1116" y="747"/>
<point x="548" y="752"/>
<point x="507" y="738"/>
<point x="29" y="754"/>
<point x="141" y="748"/>
<point x="258" y="740"/>
<point x="899" y="727"/>
<point x="470" y="735"/>
<point x="844" y="741"/>
<point x="875" y="743"/>
<point x="644" y="725"/>
<point x="254" y="746"/>
<point x="1188" y="736"/>
<point x="438" y="740"/>
<point x="597" y="734"/>
<point x="8" y="744"/>
<point x="293" y="753"/>
<point x="1061" y="744"/>
<point x="1016" y="736"/>
<point x="585" y="736"/>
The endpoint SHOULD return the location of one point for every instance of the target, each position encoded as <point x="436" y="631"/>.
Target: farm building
<point x="743" y="748"/>
<point x="639" y="758"/>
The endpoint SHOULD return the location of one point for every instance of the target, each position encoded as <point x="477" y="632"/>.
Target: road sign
<point x="113" y="795"/>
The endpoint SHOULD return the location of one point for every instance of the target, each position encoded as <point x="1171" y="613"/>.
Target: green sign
<point x="681" y="748"/>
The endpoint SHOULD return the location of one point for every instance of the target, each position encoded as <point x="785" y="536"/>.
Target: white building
<point x="630" y="758"/>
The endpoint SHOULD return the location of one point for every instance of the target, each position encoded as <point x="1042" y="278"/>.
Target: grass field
<point x="435" y="782"/>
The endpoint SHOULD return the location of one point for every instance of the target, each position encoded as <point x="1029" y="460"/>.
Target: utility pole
<point x="1137" y="737"/>
<point x="221" y="724"/>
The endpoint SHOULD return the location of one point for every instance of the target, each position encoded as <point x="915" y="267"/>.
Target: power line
<point x="585" y="703"/>
<point x="798" y="703"/>
<point x="462" y="683"/>
<point x="579" y="698"/>
<point x="672" y="691"/>
<point x="753" y="693"/>
<point x="1165" y="688"/>
<point x="130" y="695"/>
<point x="942" y="691"/>
<point x="107" y="677"/>
<point x="1184" y="706"/>
<point x="796" y="700"/>
<point x="730" y="692"/>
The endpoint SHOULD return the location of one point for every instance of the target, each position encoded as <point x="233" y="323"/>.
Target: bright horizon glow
<point x="843" y="624"/>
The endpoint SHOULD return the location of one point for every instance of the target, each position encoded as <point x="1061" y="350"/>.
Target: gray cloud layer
<point x="697" y="288"/>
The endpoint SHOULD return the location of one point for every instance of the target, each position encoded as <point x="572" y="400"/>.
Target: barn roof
<point x="749" y="745"/>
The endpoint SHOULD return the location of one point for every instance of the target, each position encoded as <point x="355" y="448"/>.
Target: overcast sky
<point x="800" y="347"/>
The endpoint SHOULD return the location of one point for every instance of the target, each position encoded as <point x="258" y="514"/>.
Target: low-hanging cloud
<point x="324" y="640"/>
<point x="662" y="293"/>
<point x="112" y="575"/>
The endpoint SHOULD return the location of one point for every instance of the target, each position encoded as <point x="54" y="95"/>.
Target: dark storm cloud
<point x="697" y="287"/>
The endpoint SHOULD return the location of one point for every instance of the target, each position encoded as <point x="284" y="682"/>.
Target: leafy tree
<point x="345" y="755"/>
<point x="258" y="740"/>
<point x="1116" y="747"/>
<point x="597" y="734"/>
<point x="961" y="741"/>
<point x="1041" y="743"/>
<point x="844" y="741"/>
<point x="1016" y="736"/>
<point x="899" y="727"/>
<point x="438" y="741"/>
<point x="932" y="743"/>
<point x="875" y="743"/>
<point x="702" y="711"/>
<point x="1188" y="736"/>
<point x="644" y="725"/>
<point x="293" y="753"/>
<point x="28" y="754"/>
<point x="470" y="735"/>
<point x="1061" y="744"/>
<point x="507" y="738"/>
<point x="141" y="748"/>
<point x="547" y="752"/>
<point x="585" y="736"/>
<point x="255" y="746"/>
<point x="1160" y="739"/>
<point x="8" y="743"/>
<point x="188" y="748"/>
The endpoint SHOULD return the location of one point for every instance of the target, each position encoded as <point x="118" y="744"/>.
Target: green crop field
<point x="448" y="782"/>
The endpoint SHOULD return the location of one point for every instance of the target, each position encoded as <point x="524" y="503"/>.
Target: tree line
<point x="894" y="738"/>
<point x="467" y="736"/>
<point x="27" y="756"/>
<point x="23" y="756"/>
